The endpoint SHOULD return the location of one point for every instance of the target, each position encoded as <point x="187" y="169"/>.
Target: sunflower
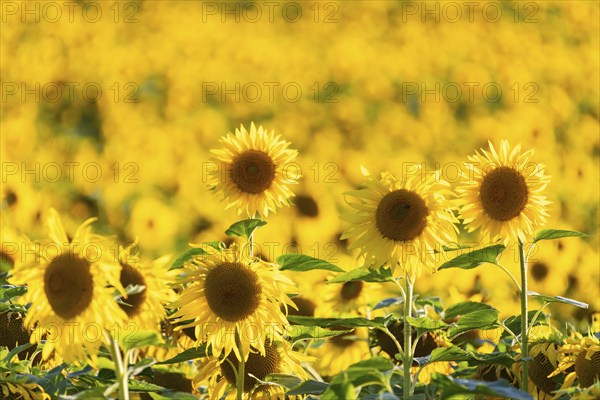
<point x="502" y="194"/>
<point x="278" y="357"/>
<point x="425" y="345"/>
<point x="14" y="333"/>
<point x="232" y="297"/>
<point x="22" y="390"/>
<point x="542" y="382"/>
<point x="350" y="297"/>
<point x="69" y="288"/>
<point x="341" y="351"/>
<point x="253" y="171"/>
<point x="145" y="308"/>
<point x="400" y="221"/>
<point x="582" y="353"/>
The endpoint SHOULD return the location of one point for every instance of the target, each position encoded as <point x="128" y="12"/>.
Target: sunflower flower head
<point x="502" y="193"/>
<point x="581" y="355"/>
<point x="144" y="308"/>
<point x="234" y="301"/>
<point x="70" y="289"/>
<point x="278" y="357"/>
<point x="401" y="221"/>
<point x="253" y="171"/>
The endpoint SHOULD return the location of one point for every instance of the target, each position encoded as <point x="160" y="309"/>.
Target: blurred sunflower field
<point x="261" y="199"/>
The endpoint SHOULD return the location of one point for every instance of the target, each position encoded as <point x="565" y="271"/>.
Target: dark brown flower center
<point x="134" y="302"/>
<point x="345" y="339"/>
<point x="232" y="291"/>
<point x="351" y="290"/>
<point x="253" y="171"/>
<point x="307" y="206"/>
<point x="13" y="333"/>
<point x="257" y="365"/>
<point x="539" y="369"/>
<point x="588" y="371"/>
<point x="306" y="307"/>
<point x="69" y="285"/>
<point x="401" y="215"/>
<point x="539" y="271"/>
<point x="426" y="344"/>
<point x="503" y="193"/>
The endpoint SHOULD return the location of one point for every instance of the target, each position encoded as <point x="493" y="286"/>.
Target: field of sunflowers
<point x="367" y="199"/>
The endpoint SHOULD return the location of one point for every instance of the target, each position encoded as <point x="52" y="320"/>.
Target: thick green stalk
<point x="524" y="319"/>
<point x="240" y="376"/>
<point x="120" y="366"/>
<point x="408" y="354"/>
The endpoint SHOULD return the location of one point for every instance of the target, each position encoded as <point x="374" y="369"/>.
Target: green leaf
<point x="454" y="353"/>
<point x="514" y="323"/>
<point x="465" y="307"/>
<point x="392" y="301"/>
<point x="549" y="234"/>
<point x="301" y="262"/>
<point x="188" y="255"/>
<point x="475" y="258"/>
<point x="186" y="355"/>
<point x="557" y="299"/>
<point x="142" y="339"/>
<point x="141" y="366"/>
<point x="426" y="323"/>
<point x="168" y="395"/>
<point x="449" y="387"/>
<point x="10" y="291"/>
<point x="454" y="247"/>
<point x="300" y="332"/>
<point x="365" y="274"/>
<point x="286" y="380"/>
<point x="344" y="323"/>
<point x="451" y="353"/>
<point x="482" y="319"/>
<point x="434" y="302"/>
<point x="17" y="350"/>
<point x="309" y="387"/>
<point x="367" y="372"/>
<point x="245" y="228"/>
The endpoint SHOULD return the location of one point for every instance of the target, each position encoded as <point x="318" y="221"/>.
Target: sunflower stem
<point x="240" y="376"/>
<point x="120" y="366"/>
<point x="524" y="319"/>
<point x="408" y="354"/>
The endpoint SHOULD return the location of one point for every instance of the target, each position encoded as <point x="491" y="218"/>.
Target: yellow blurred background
<point x="110" y="108"/>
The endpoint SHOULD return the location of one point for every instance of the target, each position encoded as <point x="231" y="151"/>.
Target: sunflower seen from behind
<point x="234" y="301"/>
<point x="400" y="221"/>
<point x="70" y="288"/>
<point x="252" y="171"/>
<point x="502" y="193"/>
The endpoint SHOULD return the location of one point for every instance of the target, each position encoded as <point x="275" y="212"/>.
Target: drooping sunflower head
<point x="232" y="297"/>
<point x="403" y="222"/>
<point x="151" y="280"/>
<point x="424" y="346"/>
<point x="579" y="358"/>
<point x="253" y="171"/>
<point x="13" y="333"/>
<point x="544" y="362"/>
<point x="502" y="193"/>
<point x="278" y="357"/>
<point x="70" y="288"/>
